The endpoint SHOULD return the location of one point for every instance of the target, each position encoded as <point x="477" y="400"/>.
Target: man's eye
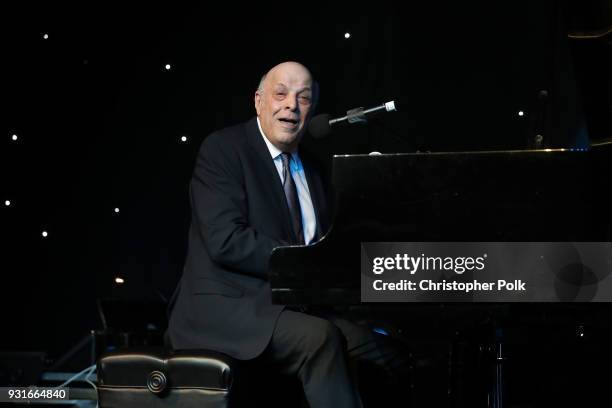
<point x="305" y="99"/>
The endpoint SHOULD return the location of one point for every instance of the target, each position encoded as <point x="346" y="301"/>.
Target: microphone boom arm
<point x="358" y="115"/>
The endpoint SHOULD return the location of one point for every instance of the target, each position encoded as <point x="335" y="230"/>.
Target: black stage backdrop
<point x="99" y="120"/>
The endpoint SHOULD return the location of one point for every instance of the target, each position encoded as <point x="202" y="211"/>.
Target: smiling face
<point x="284" y="103"/>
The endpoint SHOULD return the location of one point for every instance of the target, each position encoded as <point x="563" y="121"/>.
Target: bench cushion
<point x="158" y="378"/>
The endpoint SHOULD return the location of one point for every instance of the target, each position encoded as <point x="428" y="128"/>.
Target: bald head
<point x="281" y="66"/>
<point x="284" y="101"/>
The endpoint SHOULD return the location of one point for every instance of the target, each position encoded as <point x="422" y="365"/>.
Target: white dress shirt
<point x="309" y="221"/>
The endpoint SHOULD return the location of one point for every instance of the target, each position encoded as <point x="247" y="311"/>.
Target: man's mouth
<point x="288" y="122"/>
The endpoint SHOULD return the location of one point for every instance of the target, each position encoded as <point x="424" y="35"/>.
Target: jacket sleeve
<point x="219" y="205"/>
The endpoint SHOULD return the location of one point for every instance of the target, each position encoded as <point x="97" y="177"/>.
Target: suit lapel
<point x="275" y="186"/>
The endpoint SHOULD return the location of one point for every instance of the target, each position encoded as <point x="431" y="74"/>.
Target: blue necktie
<point x="292" y="199"/>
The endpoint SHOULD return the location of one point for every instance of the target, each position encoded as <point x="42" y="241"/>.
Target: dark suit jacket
<point x="239" y="214"/>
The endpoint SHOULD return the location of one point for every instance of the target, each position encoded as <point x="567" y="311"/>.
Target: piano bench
<point x="158" y="378"/>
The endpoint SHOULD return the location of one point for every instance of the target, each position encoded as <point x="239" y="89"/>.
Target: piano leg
<point x="497" y="400"/>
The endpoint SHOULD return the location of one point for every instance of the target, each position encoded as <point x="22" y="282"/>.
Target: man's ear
<point x="257" y="101"/>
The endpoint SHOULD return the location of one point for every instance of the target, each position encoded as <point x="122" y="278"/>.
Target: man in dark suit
<point x="253" y="190"/>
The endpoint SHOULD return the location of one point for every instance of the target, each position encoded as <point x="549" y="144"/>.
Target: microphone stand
<point x="358" y="115"/>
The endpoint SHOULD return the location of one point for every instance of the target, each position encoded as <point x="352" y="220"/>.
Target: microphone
<point x="321" y="125"/>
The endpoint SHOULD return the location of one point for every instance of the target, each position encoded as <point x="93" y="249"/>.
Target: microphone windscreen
<point x="319" y="126"/>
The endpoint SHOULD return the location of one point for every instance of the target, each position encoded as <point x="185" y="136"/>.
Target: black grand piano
<point x="554" y="195"/>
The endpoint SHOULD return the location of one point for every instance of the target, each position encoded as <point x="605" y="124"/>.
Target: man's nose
<point x="292" y="103"/>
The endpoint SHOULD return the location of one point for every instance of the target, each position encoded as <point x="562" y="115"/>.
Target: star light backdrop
<point x="105" y="108"/>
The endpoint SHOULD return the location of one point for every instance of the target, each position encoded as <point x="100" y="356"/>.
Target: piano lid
<point x="537" y="195"/>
